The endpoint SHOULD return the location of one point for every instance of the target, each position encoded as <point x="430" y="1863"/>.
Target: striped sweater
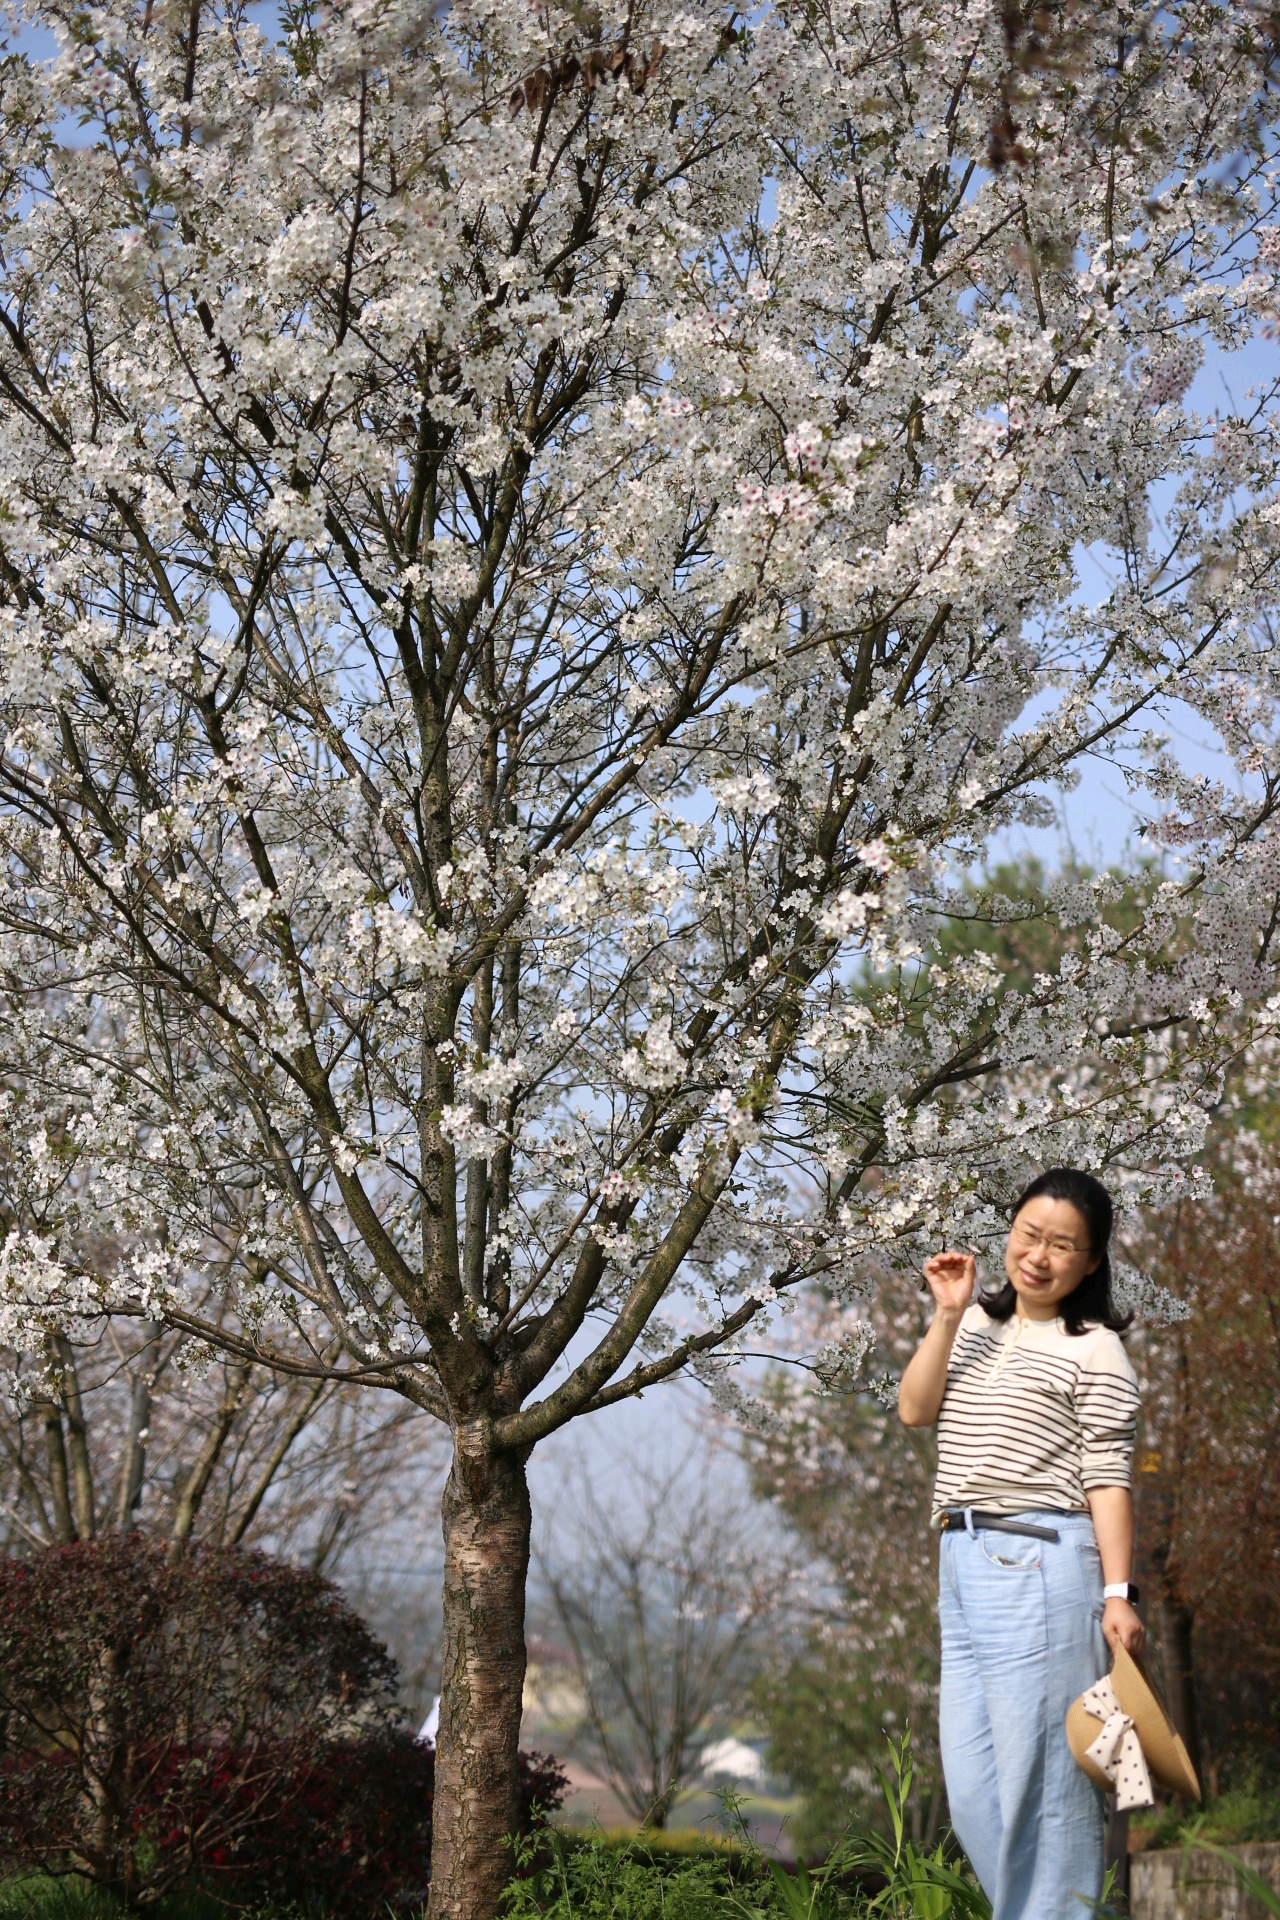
<point x="1033" y="1416"/>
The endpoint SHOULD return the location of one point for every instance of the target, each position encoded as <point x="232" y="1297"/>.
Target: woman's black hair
<point x="1091" y="1304"/>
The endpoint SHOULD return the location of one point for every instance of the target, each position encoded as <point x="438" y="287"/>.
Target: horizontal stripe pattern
<point x="1033" y="1417"/>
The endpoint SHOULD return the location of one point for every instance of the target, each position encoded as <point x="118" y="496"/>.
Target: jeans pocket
<point x="1089" y="1567"/>
<point x="1012" y="1552"/>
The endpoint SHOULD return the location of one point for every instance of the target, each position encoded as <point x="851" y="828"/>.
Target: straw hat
<point x="1162" y="1747"/>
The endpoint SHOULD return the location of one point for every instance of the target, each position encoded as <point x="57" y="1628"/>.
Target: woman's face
<point x="1047" y="1255"/>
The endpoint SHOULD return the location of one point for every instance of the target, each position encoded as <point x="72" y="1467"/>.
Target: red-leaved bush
<point x="222" y="1718"/>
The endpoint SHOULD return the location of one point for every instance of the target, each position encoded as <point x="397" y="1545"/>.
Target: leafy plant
<point x="591" y="1880"/>
<point x="220" y="1721"/>
<point x="1248" y="1812"/>
<point x="872" y="1874"/>
<point x="867" y="1877"/>
<point x="918" y="1885"/>
<point x="895" y="1880"/>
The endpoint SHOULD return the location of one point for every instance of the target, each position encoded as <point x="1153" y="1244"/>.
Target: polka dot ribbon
<point x="1117" y="1751"/>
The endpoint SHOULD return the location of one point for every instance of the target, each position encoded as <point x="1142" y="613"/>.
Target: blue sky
<point x="1100" y="821"/>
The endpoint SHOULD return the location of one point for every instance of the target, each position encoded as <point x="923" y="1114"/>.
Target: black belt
<point x="959" y="1518"/>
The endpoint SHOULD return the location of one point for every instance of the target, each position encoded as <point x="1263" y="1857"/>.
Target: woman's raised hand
<point x="920" y="1390"/>
<point x="951" y="1277"/>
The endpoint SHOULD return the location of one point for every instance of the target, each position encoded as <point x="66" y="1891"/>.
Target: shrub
<point x="160" y="1715"/>
<point x="223" y="1720"/>
<point x="589" y="1879"/>
<point x="355" y="1831"/>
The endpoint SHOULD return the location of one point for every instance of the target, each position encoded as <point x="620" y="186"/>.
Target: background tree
<point x="134" y="1426"/>
<point x="495" y="632"/>
<point x="856" y="1485"/>
<point x="1209" y="1455"/>
<point x="666" y="1608"/>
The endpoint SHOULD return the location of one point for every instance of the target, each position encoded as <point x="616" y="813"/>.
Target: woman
<point x="1036" y="1405"/>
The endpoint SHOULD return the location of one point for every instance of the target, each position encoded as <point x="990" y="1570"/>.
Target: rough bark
<point x="486" y="1541"/>
<point x="102" y="1759"/>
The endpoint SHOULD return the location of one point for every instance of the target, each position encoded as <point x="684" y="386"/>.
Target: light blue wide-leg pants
<point x="1021" y="1638"/>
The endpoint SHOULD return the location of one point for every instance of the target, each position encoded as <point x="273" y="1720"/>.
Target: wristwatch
<point x="1122" y="1590"/>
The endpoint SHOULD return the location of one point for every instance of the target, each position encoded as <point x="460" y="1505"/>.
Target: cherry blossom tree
<point x="538" y="545"/>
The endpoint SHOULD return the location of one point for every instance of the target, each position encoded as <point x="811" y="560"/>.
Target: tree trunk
<point x="77" y="1443"/>
<point x="134" y="1465"/>
<point x="477" y="1792"/>
<point x="106" y="1856"/>
<point x="197" y="1482"/>
<point x="1176" y="1625"/>
<point x="655" y="1819"/>
<point x="59" y="1483"/>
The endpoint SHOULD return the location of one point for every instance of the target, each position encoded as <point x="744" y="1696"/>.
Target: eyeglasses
<point x="1033" y="1240"/>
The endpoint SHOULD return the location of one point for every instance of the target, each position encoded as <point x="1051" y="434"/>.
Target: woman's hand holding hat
<point x="1123" y="1627"/>
<point x="1141" y="1707"/>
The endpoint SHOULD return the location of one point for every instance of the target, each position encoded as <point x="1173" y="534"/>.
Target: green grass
<point x="44" y="1897"/>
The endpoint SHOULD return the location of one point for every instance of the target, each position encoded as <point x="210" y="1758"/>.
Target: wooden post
<point x="1117" y="1852"/>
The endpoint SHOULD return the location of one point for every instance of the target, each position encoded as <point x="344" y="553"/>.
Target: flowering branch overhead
<point x="450" y="681"/>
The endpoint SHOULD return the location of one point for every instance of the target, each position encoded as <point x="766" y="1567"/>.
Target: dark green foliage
<point x="826" y="1711"/>
<point x="38" y="1897"/>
